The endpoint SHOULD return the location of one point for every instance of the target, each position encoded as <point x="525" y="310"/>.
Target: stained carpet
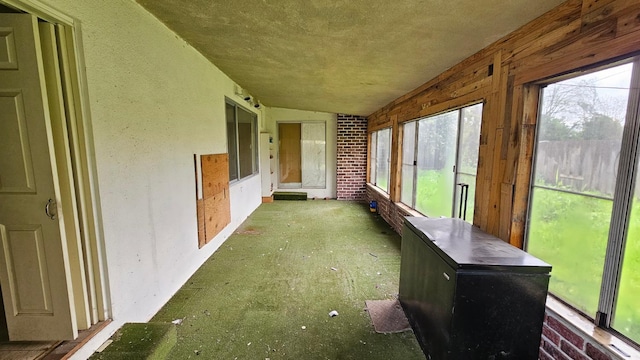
<point x="268" y="291"/>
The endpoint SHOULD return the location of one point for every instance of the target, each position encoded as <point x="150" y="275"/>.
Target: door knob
<point x="47" y="209"/>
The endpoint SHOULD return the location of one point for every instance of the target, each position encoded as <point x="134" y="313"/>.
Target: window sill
<point x="601" y="336"/>
<point x="378" y="190"/>
<point x="408" y="211"/>
<point x="238" y="181"/>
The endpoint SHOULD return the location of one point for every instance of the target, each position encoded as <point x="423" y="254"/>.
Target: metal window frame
<point x="373" y="158"/>
<point x="457" y="154"/>
<point x="622" y="202"/>
<point x="390" y="130"/>
<point x="457" y="172"/>
<point x="414" y="190"/>
<point x="623" y="193"/>
<point x="456" y="166"/>
<point x="253" y="146"/>
<point x="374" y="161"/>
<point x="414" y="171"/>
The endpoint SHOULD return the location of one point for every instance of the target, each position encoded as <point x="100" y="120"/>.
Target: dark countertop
<point x="465" y="246"/>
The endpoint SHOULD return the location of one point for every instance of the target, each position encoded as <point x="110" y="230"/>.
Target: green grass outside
<point x="434" y="193"/>
<point x="570" y="232"/>
<point x="434" y="196"/>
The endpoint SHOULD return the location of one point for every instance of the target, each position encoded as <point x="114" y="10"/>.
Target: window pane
<point x="470" y="139"/>
<point x="471" y="118"/>
<point x="408" y="151"/>
<point x="627" y="312"/>
<point x="436" y="157"/>
<point x="246" y="139"/>
<point x="578" y="145"/>
<point x="471" y="197"/>
<point x="231" y="141"/>
<point x="384" y="159"/>
<point x="254" y="143"/>
<point x="580" y="130"/>
<point x="570" y="232"/>
<point x="313" y="155"/>
<point x="373" y="157"/>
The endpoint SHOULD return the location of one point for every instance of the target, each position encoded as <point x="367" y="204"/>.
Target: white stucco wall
<point x="275" y="115"/>
<point x="154" y="102"/>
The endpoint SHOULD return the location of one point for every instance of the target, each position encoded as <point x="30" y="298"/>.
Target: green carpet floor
<point x="267" y="292"/>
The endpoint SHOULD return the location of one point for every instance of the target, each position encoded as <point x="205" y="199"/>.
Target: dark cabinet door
<point x="427" y="291"/>
<point x="439" y="306"/>
<point x="498" y="315"/>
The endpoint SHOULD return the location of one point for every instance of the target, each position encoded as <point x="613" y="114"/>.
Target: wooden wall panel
<point x="576" y="35"/>
<point x="214" y="209"/>
<point x="214" y="168"/>
<point x="217" y="213"/>
<point x="590" y="5"/>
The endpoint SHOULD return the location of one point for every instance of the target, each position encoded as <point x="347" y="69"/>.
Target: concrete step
<point x="152" y="341"/>
<point x="289" y="195"/>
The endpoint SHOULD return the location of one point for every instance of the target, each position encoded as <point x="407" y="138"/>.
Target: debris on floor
<point x="276" y="301"/>
<point x="177" y="321"/>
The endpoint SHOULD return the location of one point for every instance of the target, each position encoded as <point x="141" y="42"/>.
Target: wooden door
<point x="290" y="157"/>
<point x="34" y="268"/>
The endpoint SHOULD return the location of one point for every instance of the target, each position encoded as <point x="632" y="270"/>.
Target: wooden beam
<point x="395" y="180"/>
<point x="525" y="161"/>
<point x="599" y="44"/>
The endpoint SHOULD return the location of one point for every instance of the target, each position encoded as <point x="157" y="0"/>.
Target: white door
<point x="34" y="267"/>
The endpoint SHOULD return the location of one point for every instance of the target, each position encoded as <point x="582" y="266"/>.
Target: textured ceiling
<point x="344" y="56"/>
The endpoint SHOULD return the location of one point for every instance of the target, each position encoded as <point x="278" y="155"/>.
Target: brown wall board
<point x="214" y="209"/>
<point x="215" y="174"/>
<point x="217" y="214"/>
<point x="200" y="214"/>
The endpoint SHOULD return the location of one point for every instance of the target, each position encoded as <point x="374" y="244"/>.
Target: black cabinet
<point x="469" y="295"/>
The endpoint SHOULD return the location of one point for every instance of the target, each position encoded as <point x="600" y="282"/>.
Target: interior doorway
<point x="53" y="259"/>
<point x="290" y="168"/>
<point x="302" y="155"/>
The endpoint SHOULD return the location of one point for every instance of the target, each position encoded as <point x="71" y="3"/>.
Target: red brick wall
<point x="351" y="164"/>
<point x="561" y="342"/>
<point x="390" y="212"/>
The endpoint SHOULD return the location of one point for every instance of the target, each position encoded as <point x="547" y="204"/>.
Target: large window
<point x="242" y="141"/>
<point x="380" y="159"/>
<point x="439" y="162"/>
<point x="584" y="216"/>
